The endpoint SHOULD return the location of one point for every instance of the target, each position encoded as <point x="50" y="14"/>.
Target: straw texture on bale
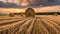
<point x="30" y="12"/>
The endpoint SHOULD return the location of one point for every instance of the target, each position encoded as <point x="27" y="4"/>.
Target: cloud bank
<point x="40" y="3"/>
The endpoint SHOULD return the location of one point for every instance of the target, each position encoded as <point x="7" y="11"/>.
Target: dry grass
<point x="39" y="25"/>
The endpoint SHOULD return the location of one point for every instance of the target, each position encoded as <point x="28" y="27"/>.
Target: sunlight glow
<point x="24" y="3"/>
<point x="43" y="9"/>
<point x="12" y="10"/>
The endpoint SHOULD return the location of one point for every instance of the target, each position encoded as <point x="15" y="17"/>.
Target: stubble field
<point x="30" y="25"/>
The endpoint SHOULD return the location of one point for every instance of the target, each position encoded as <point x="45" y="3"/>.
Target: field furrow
<point x="29" y="25"/>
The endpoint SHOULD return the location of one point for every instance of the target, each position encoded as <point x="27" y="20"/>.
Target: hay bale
<point x="11" y="14"/>
<point x="56" y="14"/>
<point x="30" y="12"/>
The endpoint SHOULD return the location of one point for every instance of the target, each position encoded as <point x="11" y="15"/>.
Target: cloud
<point x="37" y="3"/>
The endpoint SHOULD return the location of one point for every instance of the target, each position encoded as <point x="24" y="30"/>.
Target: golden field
<point x="41" y="24"/>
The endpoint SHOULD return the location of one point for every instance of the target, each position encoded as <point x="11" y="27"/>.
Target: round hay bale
<point x="11" y="14"/>
<point x="21" y="14"/>
<point x="55" y="14"/>
<point x="30" y="12"/>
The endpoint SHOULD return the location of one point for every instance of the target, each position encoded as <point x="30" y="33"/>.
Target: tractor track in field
<point x="37" y="25"/>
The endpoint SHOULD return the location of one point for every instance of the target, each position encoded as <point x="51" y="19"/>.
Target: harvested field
<point x="30" y="25"/>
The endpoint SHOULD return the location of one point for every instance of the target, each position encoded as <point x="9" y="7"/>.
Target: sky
<point x="15" y="1"/>
<point x="38" y="3"/>
<point x="34" y="2"/>
<point x="43" y="9"/>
